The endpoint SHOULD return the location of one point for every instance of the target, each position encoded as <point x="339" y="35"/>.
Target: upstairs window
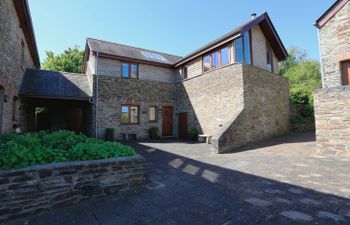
<point x="216" y="59"/>
<point x="130" y="114"/>
<point x="184" y="72"/>
<point x="243" y="49"/>
<point x="130" y="70"/>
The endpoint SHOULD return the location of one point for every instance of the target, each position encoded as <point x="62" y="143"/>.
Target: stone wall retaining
<point x="35" y="189"/>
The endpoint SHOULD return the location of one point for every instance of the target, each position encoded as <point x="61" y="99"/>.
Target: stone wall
<point x="14" y="59"/>
<point x="113" y="92"/>
<point x="265" y="111"/>
<point x="335" y="46"/>
<point x="36" y="189"/>
<point x="332" y="107"/>
<point x="213" y="99"/>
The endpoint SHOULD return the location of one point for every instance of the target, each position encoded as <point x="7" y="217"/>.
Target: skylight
<point x="154" y="56"/>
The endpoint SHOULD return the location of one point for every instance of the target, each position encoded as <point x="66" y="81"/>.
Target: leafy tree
<point x="71" y="60"/>
<point x="303" y="74"/>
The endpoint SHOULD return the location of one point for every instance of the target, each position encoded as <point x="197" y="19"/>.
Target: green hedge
<point x="60" y="146"/>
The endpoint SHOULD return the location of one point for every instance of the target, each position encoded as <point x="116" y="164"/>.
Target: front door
<point x="167" y="121"/>
<point x="183" y="125"/>
<point x="346" y="72"/>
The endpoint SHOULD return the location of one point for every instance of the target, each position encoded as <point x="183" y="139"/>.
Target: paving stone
<point x="258" y="202"/>
<point x="309" y="201"/>
<point x="296" y="191"/>
<point x="298" y="216"/>
<point x="329" y="215"/>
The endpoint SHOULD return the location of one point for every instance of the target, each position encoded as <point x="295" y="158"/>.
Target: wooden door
<point x="75" y="120"/>
<point x="346" y="72"/>
<point x="167" y="121"/>
<point x="183" y="125"/>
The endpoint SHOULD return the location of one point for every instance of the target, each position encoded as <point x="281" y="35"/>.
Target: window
<point x="269" y="58"/>
<point x="154" y="56"/>
<point x="130" y="70"/>
<point x="206" y="63"/>
<point x="216" y="59"/>
<point x="152" y="113"/>
<point x="247" y="47"/>
<point x="184" y="72"/>
<point x="243" y="48"/>
<point x="130" y="114"/>
<point x="345" y="67"/>
<point x="225" y="56"/>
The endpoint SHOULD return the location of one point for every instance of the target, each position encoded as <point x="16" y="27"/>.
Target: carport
<point x="56" y="101"/>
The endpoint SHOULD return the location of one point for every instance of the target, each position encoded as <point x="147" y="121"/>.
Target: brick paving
<point x="282" y="181"/>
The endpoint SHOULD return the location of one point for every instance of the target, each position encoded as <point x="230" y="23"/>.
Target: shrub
<point x="153" y="132"/>
<point x="192" y="133"/>
<point x="42" y="147"/>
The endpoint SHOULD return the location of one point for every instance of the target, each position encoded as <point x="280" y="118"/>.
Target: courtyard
<point x="282" y="181"/>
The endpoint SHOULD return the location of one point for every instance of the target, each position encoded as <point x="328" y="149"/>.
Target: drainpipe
<point x="320" y="51"/>
<point x="96" y="104"/>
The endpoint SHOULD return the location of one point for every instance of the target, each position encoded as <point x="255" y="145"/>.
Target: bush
<point x="60" y="146"/>
<point x="192" y="133"/>
<point x="153" y="132"/>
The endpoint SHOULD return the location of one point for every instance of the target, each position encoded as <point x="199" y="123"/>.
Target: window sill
<point x="129" y="123"/>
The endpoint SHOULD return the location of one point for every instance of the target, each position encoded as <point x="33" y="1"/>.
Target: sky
<point x="176" y="27"/>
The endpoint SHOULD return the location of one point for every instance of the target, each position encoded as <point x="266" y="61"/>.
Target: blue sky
<point x="176" y="27"/>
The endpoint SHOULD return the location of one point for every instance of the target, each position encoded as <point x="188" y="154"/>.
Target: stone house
<point x="332" y="102"/>
<point x="229" y="89"/>
<point x="18" y="52"/>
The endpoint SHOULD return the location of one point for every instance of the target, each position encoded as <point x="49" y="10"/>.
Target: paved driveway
<point x="283" y="181"/>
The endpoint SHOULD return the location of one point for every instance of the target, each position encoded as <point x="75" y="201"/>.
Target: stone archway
<point x="2" y="93"/>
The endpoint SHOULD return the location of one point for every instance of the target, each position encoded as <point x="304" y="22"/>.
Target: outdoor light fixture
<point x="159" y="110"/>
<point x="6" y="98"/>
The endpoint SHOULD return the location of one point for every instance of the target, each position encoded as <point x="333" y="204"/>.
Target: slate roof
<point x="128" y="51"/>
<point x="51" y="84"/>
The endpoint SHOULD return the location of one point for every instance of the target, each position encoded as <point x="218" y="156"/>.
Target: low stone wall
<point x="332" y="107"/>
<point x="35" y="189"/>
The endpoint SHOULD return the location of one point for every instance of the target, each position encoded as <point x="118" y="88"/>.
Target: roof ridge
<point x="165" y="53"/>
<point x="42" y="70"/>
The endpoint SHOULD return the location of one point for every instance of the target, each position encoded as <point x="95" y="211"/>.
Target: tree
<point x="71" y="60"/>
<point x="303" y="74"/>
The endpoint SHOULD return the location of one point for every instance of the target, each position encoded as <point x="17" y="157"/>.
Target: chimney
<point x="253" y="15"/>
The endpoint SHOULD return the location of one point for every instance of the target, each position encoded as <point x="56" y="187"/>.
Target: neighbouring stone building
<point x="18" y="51"/>
<point x="332" y="102"/>
<point x="229" y="89"/>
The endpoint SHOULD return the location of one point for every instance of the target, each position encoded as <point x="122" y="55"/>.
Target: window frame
<point x="155" y="114"/>
<point x="129" y="70"/>
<point x="244" y="48"/>
<point x="342" y="74"/>
<point x="129" y="114"/>
<point x="218" y="51"/>
<point x="270" y="52"/>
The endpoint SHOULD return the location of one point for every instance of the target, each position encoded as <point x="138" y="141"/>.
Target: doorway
<point x="167" y="121"/>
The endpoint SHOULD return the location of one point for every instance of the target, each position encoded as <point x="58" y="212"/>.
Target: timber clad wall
<point x="14" y="59"/>
<point x="259" y="50"/>
<point x="109" y="67"/>
<point x="335" y="46"/>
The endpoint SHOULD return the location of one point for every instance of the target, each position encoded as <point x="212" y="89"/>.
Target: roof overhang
<point x="23" y="13"/>
<point x="267" y="28"/>
<point x="330" y="13"/>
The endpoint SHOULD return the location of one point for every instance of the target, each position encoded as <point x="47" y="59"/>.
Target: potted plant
<point x="109" y="135"/>
<point x="153" y="132"/>
<point x="192" y="134"/>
